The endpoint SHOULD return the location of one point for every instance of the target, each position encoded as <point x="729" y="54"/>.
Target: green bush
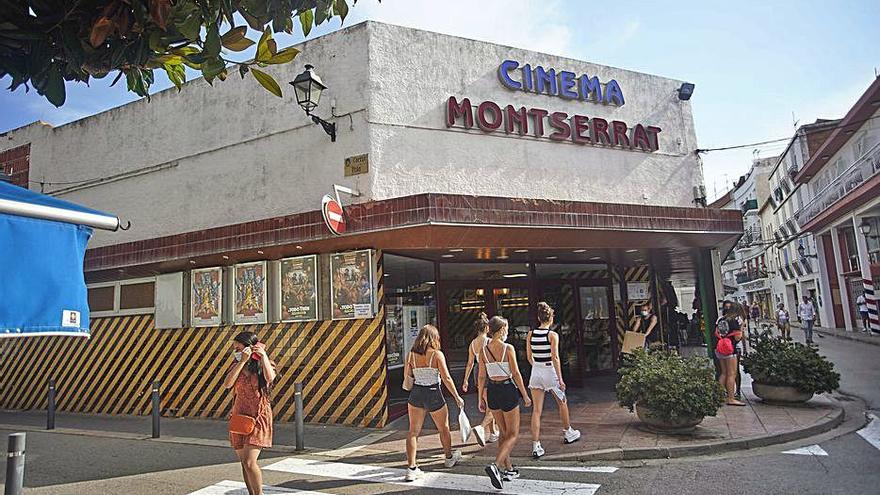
<point x="777" y="361"/>
<point x="670" y="387"/>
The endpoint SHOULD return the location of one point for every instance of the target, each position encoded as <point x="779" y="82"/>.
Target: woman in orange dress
<point x="251" y="374"/>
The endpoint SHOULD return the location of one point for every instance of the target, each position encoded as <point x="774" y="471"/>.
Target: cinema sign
<point x="490" y="117"/>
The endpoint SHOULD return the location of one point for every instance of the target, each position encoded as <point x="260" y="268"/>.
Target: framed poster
<point x="299" y="288"/>
<point x="351" y="285"/>
<point x="250" y="293"/>
<point x="638" y="291"/>
<point x="394" y="345"/>
<point x="206" y="306"/>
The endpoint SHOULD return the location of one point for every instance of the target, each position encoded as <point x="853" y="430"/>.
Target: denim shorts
<point x="429" y="398"/>
<point x="502" y="396"/>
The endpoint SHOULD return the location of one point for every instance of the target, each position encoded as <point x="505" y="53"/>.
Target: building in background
<point x="841" y="208"/>
<point x="744" y="272"/>
<point x="794" y="274"/>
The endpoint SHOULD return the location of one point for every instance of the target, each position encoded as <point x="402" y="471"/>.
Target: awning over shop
<point x="42" y="244"/>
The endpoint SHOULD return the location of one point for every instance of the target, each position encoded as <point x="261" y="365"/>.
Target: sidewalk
<point x="842" y="333"/>
<point x="610" y="432"/>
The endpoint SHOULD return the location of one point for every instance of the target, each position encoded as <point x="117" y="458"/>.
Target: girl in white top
<point x="542" y="351"/>
<point x="480" y="341"/>
<point x="500" y="387"/>
<point x="427" y="365"/>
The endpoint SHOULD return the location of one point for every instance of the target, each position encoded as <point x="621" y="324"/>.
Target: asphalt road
<point x="70" y="464"/>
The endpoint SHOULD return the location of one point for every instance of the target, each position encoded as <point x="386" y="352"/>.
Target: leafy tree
<point x="46" y="42"/>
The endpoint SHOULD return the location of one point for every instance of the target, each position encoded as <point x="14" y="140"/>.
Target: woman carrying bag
<point x="477" y="344"/>
<point x="728" y="331"/>
<point x="250" y="424"/>
<point x="424" y="370"/>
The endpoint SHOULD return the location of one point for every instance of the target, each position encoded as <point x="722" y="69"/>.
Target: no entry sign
<point x="333" y="215"/>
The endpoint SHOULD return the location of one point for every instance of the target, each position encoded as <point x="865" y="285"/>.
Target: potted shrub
<point x="787" y="372"/>
<point x="668" y="393"/>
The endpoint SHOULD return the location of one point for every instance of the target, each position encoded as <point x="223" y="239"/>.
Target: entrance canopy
<point x="42" y="244"/>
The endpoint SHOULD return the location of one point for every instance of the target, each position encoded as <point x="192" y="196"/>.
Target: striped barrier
<point x="871" y="302"/>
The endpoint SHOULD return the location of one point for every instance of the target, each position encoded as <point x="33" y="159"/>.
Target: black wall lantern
<point x="308" y="88"/>
<point x="803" y="252"/>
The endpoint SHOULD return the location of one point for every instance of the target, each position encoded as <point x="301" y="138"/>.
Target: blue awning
<point x="42" y="245"/>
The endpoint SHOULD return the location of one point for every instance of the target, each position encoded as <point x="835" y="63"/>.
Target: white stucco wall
<point x="232" y="153"/>
<point x="413" y="73"/>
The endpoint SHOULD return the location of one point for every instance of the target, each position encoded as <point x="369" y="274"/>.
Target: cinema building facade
<point x="485" y="178"/>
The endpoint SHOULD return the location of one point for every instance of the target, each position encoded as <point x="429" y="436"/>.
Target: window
<point x="125" y="297"/>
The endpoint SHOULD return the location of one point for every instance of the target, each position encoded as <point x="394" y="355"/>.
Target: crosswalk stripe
<point x="227" y="487"/>
<point x="356" y="445"/>
<point x="809" y="450"/>
<point x="430" y="479"/>
<point x="573" y="469"/>
<point x="871" y="433"/>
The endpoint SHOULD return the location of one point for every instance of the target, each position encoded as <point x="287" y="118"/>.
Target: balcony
<point x="749" y="205"/>
<point x="750" y="275"/>
<point x="863" y="169"/>
<point x="751" y="238"/>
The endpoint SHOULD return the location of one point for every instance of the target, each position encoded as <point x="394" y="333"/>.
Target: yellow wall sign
<point x="356" y="165"/>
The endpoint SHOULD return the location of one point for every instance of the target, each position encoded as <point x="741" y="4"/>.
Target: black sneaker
<point x="510" y="474"/>
<point x="494" y="476"/>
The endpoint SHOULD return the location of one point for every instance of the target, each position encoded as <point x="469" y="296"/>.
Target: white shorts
<point x="543" y="377"/>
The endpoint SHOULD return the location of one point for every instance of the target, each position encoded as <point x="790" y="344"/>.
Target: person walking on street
<point x="807" y="315"/>
<point x="500" y="388"/>
<point x="427" y="366"/>
<point x="783" y="321"/>
<point x="727" y="333"/>
<point x="250" y="425"/>
<point x="480" y="341"/>
<point x="542" y="351"/>
<point x="862" y="305"/>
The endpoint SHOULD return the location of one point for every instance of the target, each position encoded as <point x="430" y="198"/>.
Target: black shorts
<point x="429" y="398"/>
<point x="502" y="396"/>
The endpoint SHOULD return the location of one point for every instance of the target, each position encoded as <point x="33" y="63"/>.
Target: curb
<point x="871" y="340"/>
<point x="831" y="421"/>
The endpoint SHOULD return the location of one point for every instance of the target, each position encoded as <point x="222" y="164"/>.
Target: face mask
<point x="237" y="355"/>
<point x="644" y="313"/>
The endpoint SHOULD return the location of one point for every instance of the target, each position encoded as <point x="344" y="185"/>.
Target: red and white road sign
<point x="333" y="215"/>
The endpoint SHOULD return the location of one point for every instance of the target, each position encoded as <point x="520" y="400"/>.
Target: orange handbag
<point x="242" y="424"/>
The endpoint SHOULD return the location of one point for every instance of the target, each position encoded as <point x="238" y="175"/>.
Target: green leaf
<point x="266" y="47"/>
<point x="176" y="73"/>
<point x="190" y="27"/>
<point x="322" y="11"/>
<point x="252" y="21"/>
<point x="306" y="19"/>
<point x="212" y="41"/>
<point x="243" y="69"/>
<point x="267" y="82"/>
<point x="54" y="91"/>
<point x="211" y="68"/>
<point x="340" y="8"/>
<point x="284" y="56"/>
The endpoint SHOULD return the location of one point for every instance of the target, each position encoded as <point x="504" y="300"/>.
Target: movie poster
<point x="250" y="293"/>
<point x="299" y="289"/>
<point x="394" y="335"/>
<point x="207" y="297"/>
<point x="351" y="282"/>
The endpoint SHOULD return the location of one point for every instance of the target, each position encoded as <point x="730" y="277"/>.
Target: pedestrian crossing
<point x="435" y="480"/>
<point x="871" y="433"/>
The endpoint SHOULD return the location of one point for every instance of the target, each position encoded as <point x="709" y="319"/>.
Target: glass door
<point x="513" y="303"/>
<point x="598" y="328"/>
<point x="462" y="307"/>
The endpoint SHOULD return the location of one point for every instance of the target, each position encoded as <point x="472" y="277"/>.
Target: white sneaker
<point x="571" y="435"/>
<point x="537" y="450"/>
<point x="452" y="461"/>
<point x="510" y="474"/>
<point x="495" y="476"/>
<point x="480" y="435"/>
<point x="413" y="474"/>
<point x="493" y="437"/>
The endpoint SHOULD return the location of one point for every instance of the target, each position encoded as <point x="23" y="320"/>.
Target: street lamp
<point x="308" y="87"/>
<point x="865" y="227"/>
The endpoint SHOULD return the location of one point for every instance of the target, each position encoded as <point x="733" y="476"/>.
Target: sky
<point x="759" y="67"/>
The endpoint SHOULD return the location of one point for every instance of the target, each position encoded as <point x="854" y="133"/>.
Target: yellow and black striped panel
<point x="340" y="363"/>
<point x="620" y="317"/>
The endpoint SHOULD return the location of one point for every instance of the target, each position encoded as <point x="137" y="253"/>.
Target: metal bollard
<point x="50" y="412"/>
<point x="15" y="464"/>
<point x="155" y="409"/>
<point x="297" y="394"/>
